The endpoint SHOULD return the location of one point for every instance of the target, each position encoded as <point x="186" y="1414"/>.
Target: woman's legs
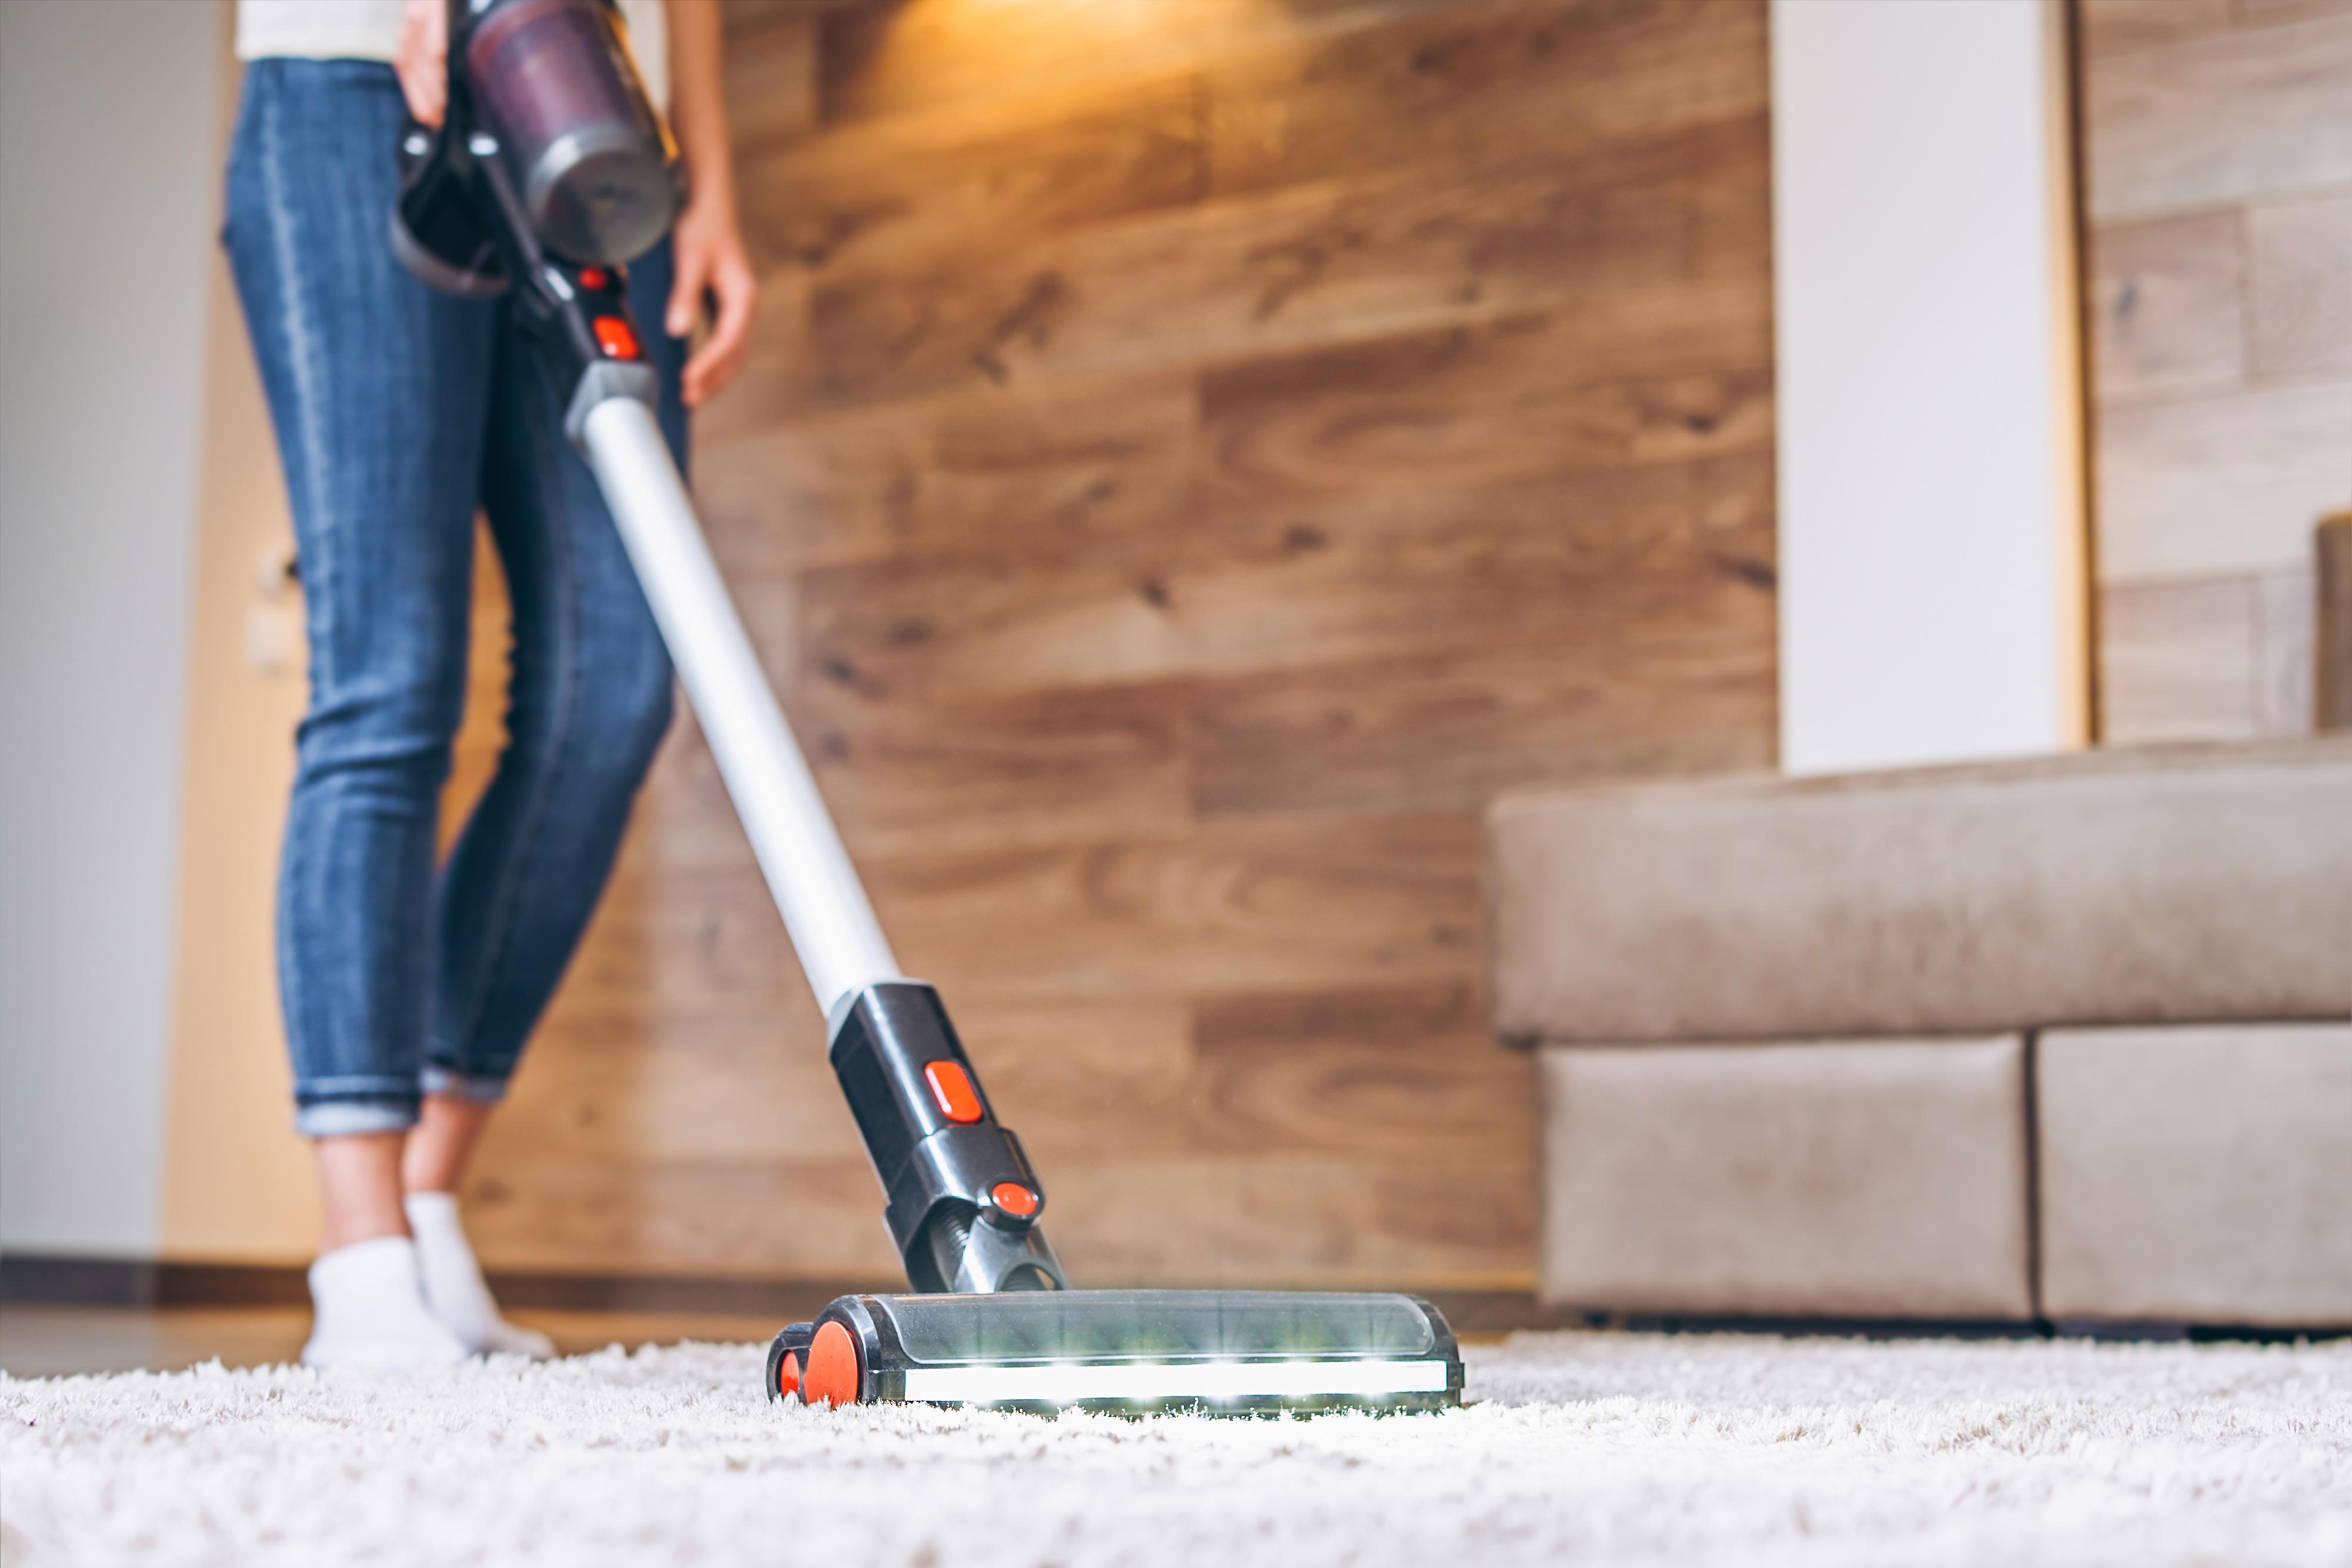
<point x="441" y="1145"/>
<point x="378" y="389"/>
<point x="589" y="701"/>
<point x="358" y="1187"/>
<point x="395" y="408"/>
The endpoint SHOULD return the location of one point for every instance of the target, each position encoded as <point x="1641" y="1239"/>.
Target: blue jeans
<point x="399" y="413"/>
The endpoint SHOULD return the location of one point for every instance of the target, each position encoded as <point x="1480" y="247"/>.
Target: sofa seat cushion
<point x="2200" y="1175"/>
<point x="1875" y="1179"/>
<point x="2144" y="885"/>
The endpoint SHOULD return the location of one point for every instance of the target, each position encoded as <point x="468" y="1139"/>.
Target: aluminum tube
<point x="817" y="890"/>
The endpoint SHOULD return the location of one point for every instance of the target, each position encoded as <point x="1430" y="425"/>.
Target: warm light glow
<point x="1068" y="1383"/>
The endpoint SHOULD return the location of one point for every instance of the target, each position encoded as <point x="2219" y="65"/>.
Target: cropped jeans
<point x="399" y="413"/>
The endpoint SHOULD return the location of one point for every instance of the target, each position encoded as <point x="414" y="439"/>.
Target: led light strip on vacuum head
<point x="1076" y="1383"/>
<point x="1125" y="1352"/>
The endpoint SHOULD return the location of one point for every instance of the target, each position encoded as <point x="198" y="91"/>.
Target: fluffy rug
<point x="1581" y="1448"/>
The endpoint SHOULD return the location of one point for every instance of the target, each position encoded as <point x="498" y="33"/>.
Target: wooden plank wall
<point x="1198" y="452"/>
<point x="2220" y="185"/>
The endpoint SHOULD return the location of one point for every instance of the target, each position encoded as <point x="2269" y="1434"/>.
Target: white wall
<point x="1931" y="529"/>
<point x="109" y="202"/>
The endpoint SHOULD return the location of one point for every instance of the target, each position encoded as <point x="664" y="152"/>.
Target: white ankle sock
<point x="454" y="1287"/>
<point x="371" y="1312"/>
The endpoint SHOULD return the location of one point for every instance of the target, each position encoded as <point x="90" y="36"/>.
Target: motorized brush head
<point x="1224" y="1352"/>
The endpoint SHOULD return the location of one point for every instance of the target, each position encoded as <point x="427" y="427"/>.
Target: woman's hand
<point x="707" y="249"/>
<point x="708" y="243"/>
<point x="423" y="63"/>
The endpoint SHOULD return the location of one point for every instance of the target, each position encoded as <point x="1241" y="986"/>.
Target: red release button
<point x="952" y="1089"/>
<point x="1014" y="1199"/>
<point x="594" y="277"/>
<point x="612" y="335"/>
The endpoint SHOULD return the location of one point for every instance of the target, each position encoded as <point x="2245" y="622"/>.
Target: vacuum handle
<point x="817" y="890"/>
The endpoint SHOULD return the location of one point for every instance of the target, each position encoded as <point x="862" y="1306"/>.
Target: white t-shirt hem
<point x="369" y="30"/>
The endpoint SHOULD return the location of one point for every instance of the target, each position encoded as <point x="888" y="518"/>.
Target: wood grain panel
<point x="2169" y="305"/>
<point x="1239" y="1220"/>
<point x="934" y="182"/>
<point x="1282" y="588"/>
<point x="2220" y="118"/>
<point x="2264" y="12"/>
<point x="2112" y="27"/>
<point x="1452" y="733"/>
<point x="1054" y="767"/>
<point x="1034" y="471"/>
<point x="1470" y="83"/>
<point x="1049" y="767"/>
<point x="1397" y="250"/>
<point x="2229" y="484"/>
<point x="771" y="65"/>
<point x="1669" y="375"/>
<point x="675" y="942"/>
<point x="2301" y="284"/>
<point x="1386" y="1071"/>
<point x="2224" y="351"/>
<point x="2177" y="661"/>
<point x="1227" y="907"/>
<point x="751" y="1087"/>
<point x="2332" y="615"/>
<point x="740" y="1218"/>
<point x="1086" y="1078"/>
<point x="898" y="58"/>
<point x="1195" y="451"/>
<point x="2286" y="669"/>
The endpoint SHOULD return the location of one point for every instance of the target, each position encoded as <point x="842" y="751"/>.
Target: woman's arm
<point x="708" y="241"/>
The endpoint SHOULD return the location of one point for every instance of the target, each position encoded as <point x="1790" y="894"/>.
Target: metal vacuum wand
<point x="963" y="1197"/>
<point x="825" y="910"/>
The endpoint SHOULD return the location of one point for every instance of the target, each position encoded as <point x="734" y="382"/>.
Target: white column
<point x="1931" y="529"/>
<point x="109" y="205"/>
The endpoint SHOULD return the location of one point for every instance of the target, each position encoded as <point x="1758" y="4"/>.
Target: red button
<point x="594" y="277"/>
<point x="952" y="1089"/>
<point x="1014" y="1199"/>
<point x="612" y="335"/>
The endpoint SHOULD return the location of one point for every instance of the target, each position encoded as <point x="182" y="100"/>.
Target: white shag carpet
<point x="1581" y="1448"/>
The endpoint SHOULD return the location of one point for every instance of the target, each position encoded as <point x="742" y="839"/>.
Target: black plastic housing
<point x="940" y="1176"/>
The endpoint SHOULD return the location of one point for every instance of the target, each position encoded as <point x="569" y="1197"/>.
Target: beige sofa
<point x="2068" y="1037"/>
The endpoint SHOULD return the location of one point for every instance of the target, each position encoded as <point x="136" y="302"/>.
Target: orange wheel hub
<point x="788" y="1375"/>
<point x="833" y="1371"/>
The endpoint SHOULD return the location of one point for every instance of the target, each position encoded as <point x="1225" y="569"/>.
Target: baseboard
<point x="36" y="1278"/>
<point x="28" y="1278"/>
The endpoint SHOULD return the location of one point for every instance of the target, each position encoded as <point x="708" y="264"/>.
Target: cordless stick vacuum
<point x="550" y="173"/>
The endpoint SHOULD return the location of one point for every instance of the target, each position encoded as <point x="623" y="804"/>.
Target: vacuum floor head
<point x="1125" y="1352"/>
